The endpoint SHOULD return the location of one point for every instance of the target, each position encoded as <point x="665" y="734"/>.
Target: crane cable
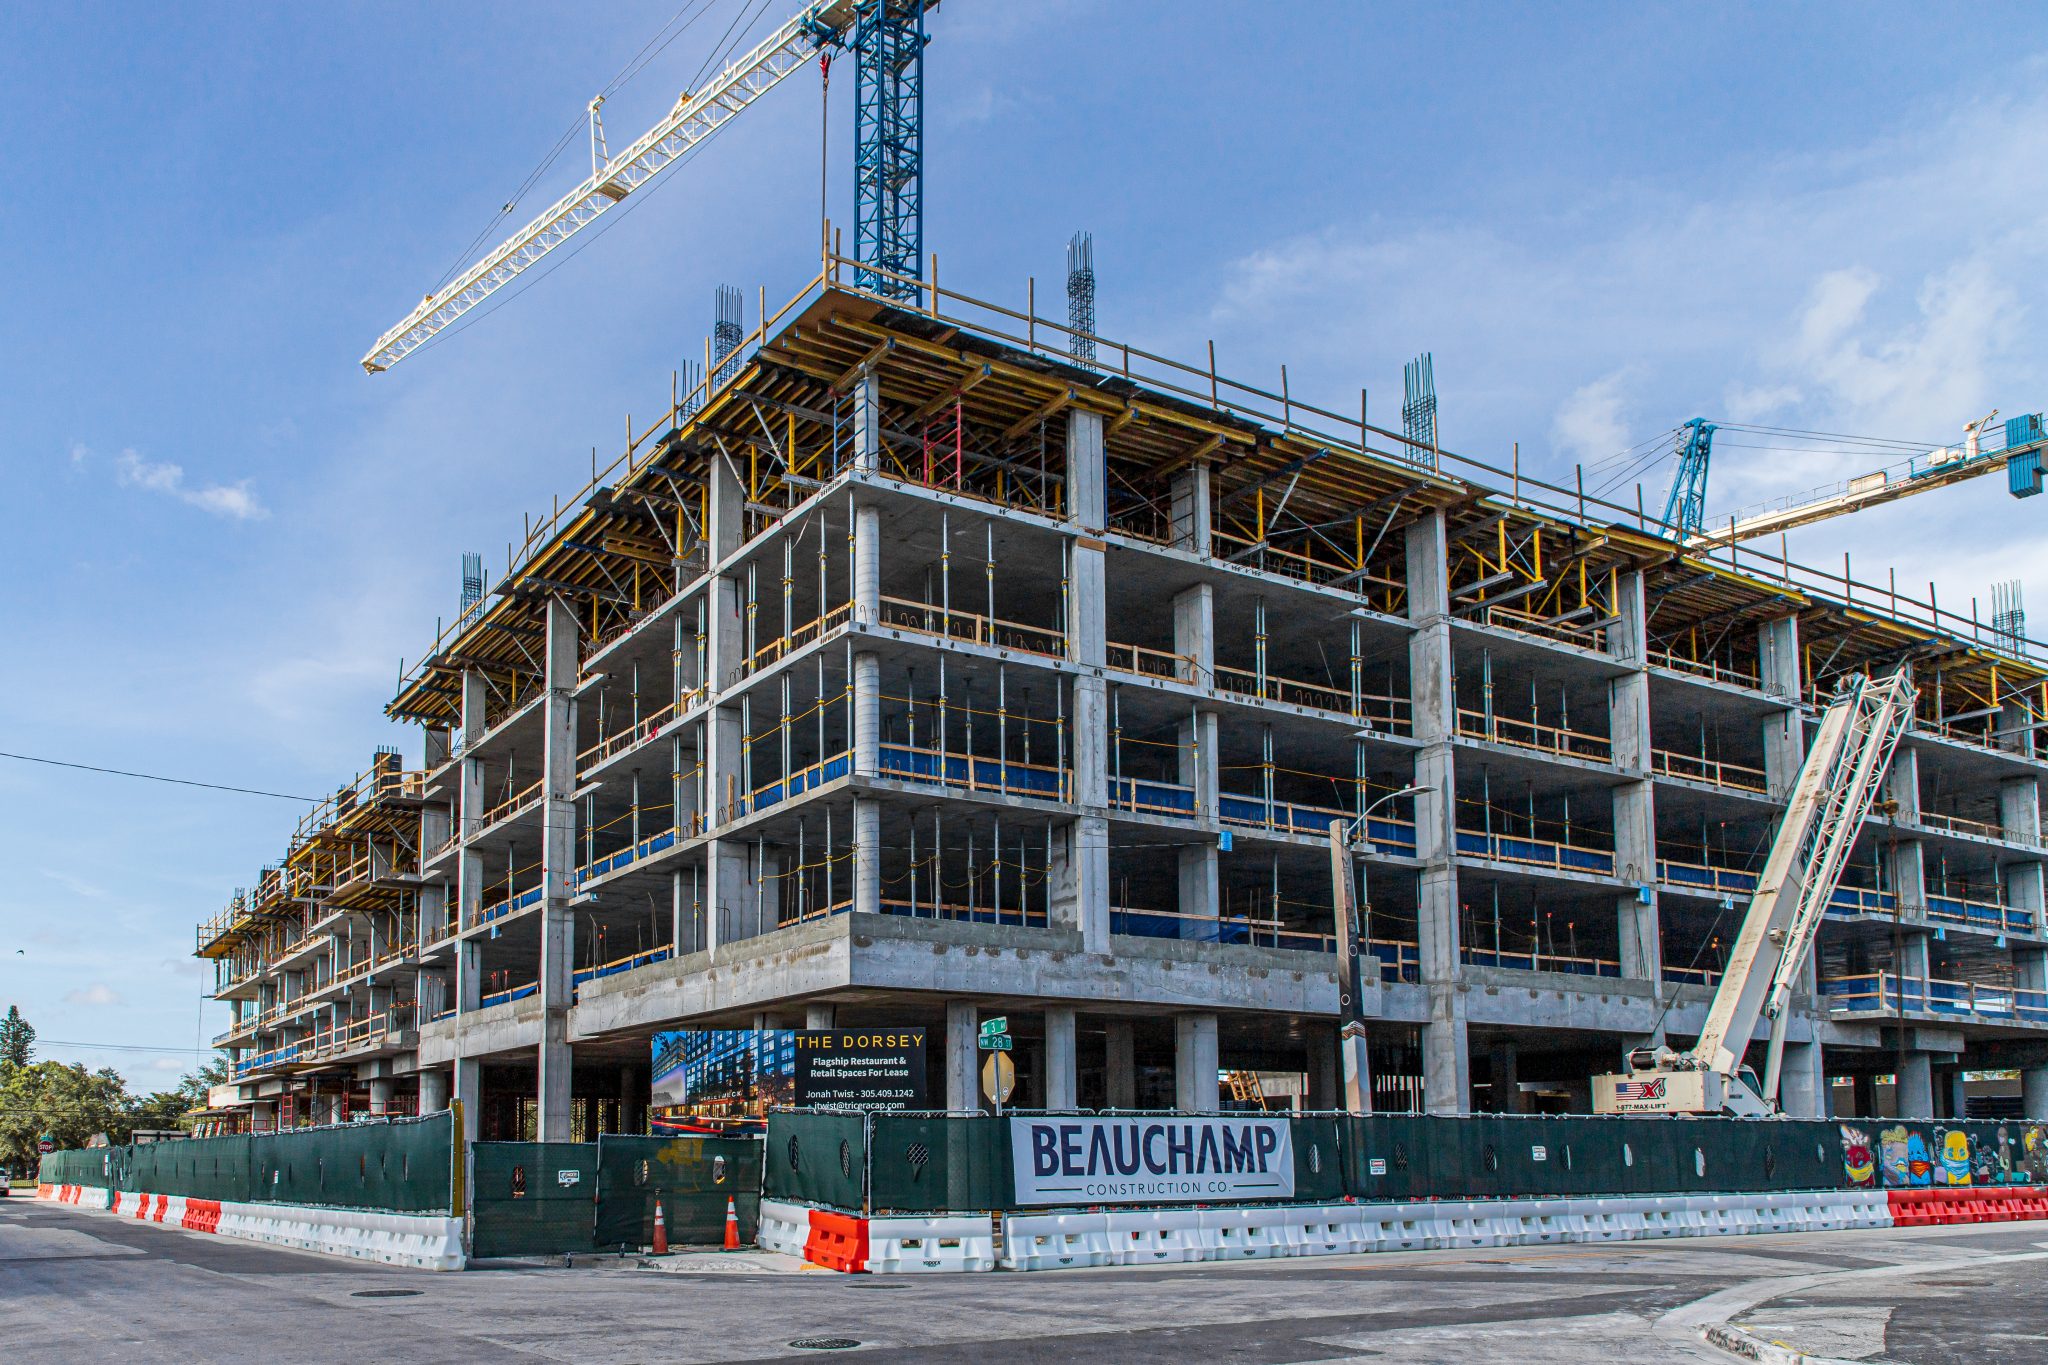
<point x="634" y="65"/>
<point x="529" y="278"/>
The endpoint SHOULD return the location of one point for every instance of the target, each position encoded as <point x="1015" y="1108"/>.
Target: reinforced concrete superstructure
<point x="922" y="665"/>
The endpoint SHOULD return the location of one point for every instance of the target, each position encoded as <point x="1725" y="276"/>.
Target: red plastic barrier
<point x="163" y="1204"/>
<point x="202" y="1215"/>
<point x="837" y="1241"/>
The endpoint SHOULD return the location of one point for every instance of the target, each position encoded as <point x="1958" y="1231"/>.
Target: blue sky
<point x="223" y="536"/>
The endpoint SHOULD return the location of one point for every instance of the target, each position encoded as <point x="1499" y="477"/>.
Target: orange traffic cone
<point x="732" y="1225"/>
<point x="660" y="1231"/>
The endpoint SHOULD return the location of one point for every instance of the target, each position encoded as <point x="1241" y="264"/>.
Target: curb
<point x="1736" y="1342"/>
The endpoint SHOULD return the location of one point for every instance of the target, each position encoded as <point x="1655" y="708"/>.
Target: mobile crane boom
<point x="1833" y="793"/>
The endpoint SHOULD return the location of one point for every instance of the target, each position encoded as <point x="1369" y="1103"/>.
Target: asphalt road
<point x="79" y="1286"/>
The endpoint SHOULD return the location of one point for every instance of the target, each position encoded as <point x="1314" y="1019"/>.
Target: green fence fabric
<point x="924" y="1163"/>
<point x="692" y="1177"/>
<point x="533" y="1198"/>
<point x="818" y="1158"/>
<point x="1318" y="1159"/>
<point x="399" y="1165"/>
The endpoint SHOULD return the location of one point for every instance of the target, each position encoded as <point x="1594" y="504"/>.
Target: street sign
<point x="991" y="1027"/>
<point x="996" y="1042"/>
<point x="998" y="1077"/>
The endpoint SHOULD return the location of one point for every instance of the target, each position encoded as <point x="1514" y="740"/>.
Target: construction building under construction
<point x="928" y="660"/>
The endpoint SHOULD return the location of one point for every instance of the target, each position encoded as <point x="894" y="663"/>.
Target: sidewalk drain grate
<point x="385" y="1294"/>
<point x="824" y="1343"/>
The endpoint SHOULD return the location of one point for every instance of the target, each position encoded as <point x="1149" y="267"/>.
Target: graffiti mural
<point x="1955" y="1157"/>
<point x="1859" y="1163"/>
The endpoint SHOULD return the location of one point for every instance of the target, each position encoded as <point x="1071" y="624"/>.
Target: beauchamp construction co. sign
<point x="1150" y="1160"/>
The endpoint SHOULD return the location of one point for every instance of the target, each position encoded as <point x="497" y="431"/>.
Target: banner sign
<point x="1150" y="1160"/>
<point x="729" y="1073"/>
<point x="852" y="1068"/>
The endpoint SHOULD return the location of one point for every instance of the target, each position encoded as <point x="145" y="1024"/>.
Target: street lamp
<point x="1353" y="1060"/>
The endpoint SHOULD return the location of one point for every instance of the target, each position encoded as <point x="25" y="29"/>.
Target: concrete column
<point x="819" y="1014"/>
<point x="1784" y="733"/>
<point x="867" y="715"/>
<point x="380" y="1095"/>
<point x="631" y="1119"/>
<point x="1061" y="1088"/>
<point x="1200" y="883"/>
<point x="2015" y="727"/>
<point x="867" y="564"/>
<point x="1189" y="491"/>
<point x="1447" y="1072"/>
<point x="1119" y="1065"/>
<point x="1915" y="1089"/>
<point x="469" y="979"/>
<point x="1803" y="1084"/>
<point x="1194" y="630"/>
<point x="963" y="1029"/>
<point x="2034" y="1092"/>
<point x="1194" y="1064"/>
<point x="469" y="811"/>
<point x="867" y="421"/>
<point x="727" y="899"/>
<point x="1088" y="836"/>
<point x="1638" y="927"/>
<point x="433" y="1091"/>
<point x="558" y="871"/>
<point x="1503" y="1064"/>
<point x="2019" y="817"/>
<point x="867" y="855"/>
<point x="1321" y="1066"/>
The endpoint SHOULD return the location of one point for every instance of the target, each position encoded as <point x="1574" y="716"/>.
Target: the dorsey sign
<point x="1150" y="1160"/>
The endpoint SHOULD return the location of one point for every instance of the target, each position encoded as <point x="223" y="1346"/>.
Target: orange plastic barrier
<point x="838" y="1242"/>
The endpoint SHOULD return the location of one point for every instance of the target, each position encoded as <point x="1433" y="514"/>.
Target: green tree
<point x="68" y="1103"/>
<point x="17" y="1038"/>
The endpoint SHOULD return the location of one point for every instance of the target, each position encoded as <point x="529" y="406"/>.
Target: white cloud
<point x="1591" y="425"/>
<point x="98" y="993"/>
<point x="236" y="501"/>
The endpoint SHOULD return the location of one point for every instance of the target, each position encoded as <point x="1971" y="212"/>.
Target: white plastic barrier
<point x="1543" y="1222"/>
<point x="1330" y="1230"/>
<point x="1055" y="1241"/>
<point x="934" y="1243"/>
<point x="1403" y="1227"/>
<point x="1154" y="1236"/>
<point x="784" y="1227"/>
<point x="1255" y="1233"/>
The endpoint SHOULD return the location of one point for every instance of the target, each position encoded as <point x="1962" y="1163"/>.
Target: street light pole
<point x="1353" y="1058"/>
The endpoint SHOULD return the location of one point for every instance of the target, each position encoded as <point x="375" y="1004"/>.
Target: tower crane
<point x="887" y="38"/>
<point x="1830" y="798"/>
<point x="1980" y="451"/>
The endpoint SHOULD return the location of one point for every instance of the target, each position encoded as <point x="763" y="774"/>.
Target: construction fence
<point x="555" y="1198"/>
<point x="398" y="1165"/>
<point x="930" y="1163"/>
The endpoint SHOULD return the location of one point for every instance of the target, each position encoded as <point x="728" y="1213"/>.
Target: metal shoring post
<point x="913" y="864"/>
<point x="945" y="574"/>
<point x="747" y="746"/>
<point x="1357" y="676"/>
<point x="938" y="862"/>
<point x="1059" y="738"/>
<point x="945" y="764"/>
<point x="753" y="615"/>
<point x="1002" y="730"/>
<point x="1116" y="730"/>
<point x="1266" y="769"/>
<point x="831" y="891"/>
<point x="1259" y="643"/>
<point x="967" y="705"/>
<point x="803" y="873"/>
<point x="989" y="573"/>
<point x="788" y="758"/>
<point x="995" y="868"/>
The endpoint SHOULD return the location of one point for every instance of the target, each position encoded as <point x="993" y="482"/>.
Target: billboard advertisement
<point x="743" y="1073"/>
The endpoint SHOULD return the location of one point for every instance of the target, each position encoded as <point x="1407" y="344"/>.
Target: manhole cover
<point x="385" y="1294"/>
<point x="824" y="1343"/>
